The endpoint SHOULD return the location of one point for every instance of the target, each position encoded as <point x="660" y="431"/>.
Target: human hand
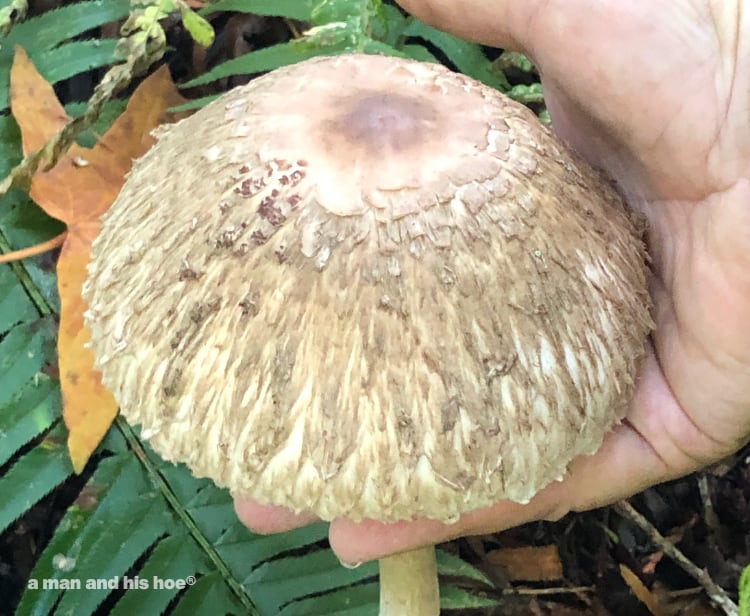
<point x="659" y="96"/>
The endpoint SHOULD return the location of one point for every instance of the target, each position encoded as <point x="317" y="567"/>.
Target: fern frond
<point x="267" y="59"/>
<point x="47" y="39"/>
<point x="292" y="9"/>
<point x="73" y="58"/>
<point x="31" y="411"/>
<point x="15" y="305"/>
<point x="33" y="476"/>
<point x="23" y="352"/>
<point x="467" y="57"/>
<point x="10" y="144"/>
<point x="283" y="581"/>
<point x="51" y="28"/>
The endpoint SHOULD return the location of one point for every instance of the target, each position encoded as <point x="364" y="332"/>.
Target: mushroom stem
<point x="409" y="584"/>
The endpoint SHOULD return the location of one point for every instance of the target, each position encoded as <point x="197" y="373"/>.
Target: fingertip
<point x="269" y="519"/>
<point x="358" y="542"/>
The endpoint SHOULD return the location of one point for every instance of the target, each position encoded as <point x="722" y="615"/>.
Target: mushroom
<point x="369" y="287"/>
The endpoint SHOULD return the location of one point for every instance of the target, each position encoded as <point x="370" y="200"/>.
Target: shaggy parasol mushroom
<point x="369" y="287"/>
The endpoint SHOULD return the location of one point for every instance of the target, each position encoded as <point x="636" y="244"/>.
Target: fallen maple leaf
<point x="532" y="563"/>
<point x="77" y="191"/>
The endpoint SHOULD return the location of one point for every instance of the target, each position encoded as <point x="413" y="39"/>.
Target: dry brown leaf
<point x="77" y="191"/>
<point x="644" y="595"/>
<point x="531" y="564"/>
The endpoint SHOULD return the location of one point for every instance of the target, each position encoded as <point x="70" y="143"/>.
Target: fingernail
<point x="349" y="565"/>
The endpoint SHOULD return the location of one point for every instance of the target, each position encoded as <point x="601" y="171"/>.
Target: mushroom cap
<point x="368" y="287"/>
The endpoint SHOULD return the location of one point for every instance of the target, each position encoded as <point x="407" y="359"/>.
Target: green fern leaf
<point x="266" y="59"/>
<point x="51" y="28"/>
<point x="174" y="558"/>
<point x="467" y="57"/>
<point x="33" y="409"/>
<point x="282" y="581"/>
<point x="360" y="600"/>
<point x="420" y="53"/>
<point x="114" y="549"/>
<point x="23" y="223"/>
<point x="110" y="112"/>
<point x="200" y="30"/>
<point x="73" y="58"/>
<point x="451" y="565"/>
<point x="232" y="546"/>
<point x="47" y="40"/>
<point x="454" y="598"/>
<point x="208" y="597"/>
<point x="62" y="551"/>
<point x="15" y="305"/>
<point x="33" y="476"/>
<point x="744" y="592"/>
<point x="10" y="144"/>
<point x="292" y="9"/>
<point x="23" y="352"/>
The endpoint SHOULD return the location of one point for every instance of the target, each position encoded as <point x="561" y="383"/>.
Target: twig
<point x="36" y="249"/>
<point x="715" y="592"/>
<point x="709" y="515"/>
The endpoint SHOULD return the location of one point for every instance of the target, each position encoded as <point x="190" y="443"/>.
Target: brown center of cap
<point x="381" y="121"/>
<point x="379" y="136"/>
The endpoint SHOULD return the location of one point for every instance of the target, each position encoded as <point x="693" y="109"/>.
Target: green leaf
<point x="395" y="23"/>
<point x="73" y="58"/>
<point x="33" y="476"/>
<point x="332" y="11"/>
<point x="360" y="600"/>
<point x="233" y="549"/>
<point x="454" y="598"/>
<point x="420" y="53"/>
<point x="53" y="27"/>
<point x="262" y="60"/>
<point x="467" y="57"/>
<point x="15" y="305"/>
<point x="110" y="112"/>
<point x="451" y="565"/>
<point x="58" y="64"/>
<point x="744" y="591"/>
<point x="22" y="224"/>
<point x="526" y="94"/>
<point x="280" y="581"/>
<point x="201" y="31"/>
<point x="23" y="352"/>
<point x="196" y="103"/>
<point x="292" y="9"/>
<point x="208" y="597"/>
<point x="30" y="412"/>
<point x="53" y="31"/>
<point x="174" y="558"/>
<point x="114" y="550"/>
<point x="10" y="144"/>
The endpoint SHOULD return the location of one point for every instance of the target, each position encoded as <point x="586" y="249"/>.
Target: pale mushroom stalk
<point x="409" y="584"/>
<point x="369" y="287"/>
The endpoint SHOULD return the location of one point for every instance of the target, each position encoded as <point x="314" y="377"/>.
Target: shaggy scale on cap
<point x="368" y="287"/>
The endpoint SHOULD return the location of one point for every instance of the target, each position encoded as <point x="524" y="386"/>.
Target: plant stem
<point x="409" y="584"/>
